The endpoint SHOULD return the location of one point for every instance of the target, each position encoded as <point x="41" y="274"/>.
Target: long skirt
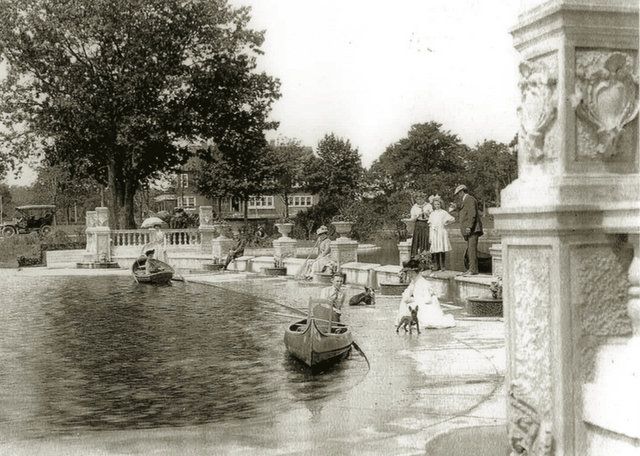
<point x="420" y="239"/>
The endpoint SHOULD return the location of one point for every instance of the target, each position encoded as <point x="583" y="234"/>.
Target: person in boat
<point x="238" y="248"/>
<point x="335" y="294"/>
<point x="324" y="253"/>
<point x="143" y="261"/>
<point x="420" y="293"/>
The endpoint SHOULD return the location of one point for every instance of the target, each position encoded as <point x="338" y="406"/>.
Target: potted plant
<point x="284" y="226"/>
<point x="278" y="269"/>
<point x="496" y="288"/>
<point x="489" y="306"/>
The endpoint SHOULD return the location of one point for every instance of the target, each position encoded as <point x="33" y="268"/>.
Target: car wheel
<point x="45" y="230"/>
<point x="8" y="231"/>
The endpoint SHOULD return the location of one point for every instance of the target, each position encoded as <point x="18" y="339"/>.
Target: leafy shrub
<point x="24" y="261"/>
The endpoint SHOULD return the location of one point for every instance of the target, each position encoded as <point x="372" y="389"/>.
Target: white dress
<point x="430" y="314"/>
<point x="438" y="235"/>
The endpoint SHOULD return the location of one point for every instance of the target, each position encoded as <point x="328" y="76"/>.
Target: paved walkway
<point x="417" y="387"/>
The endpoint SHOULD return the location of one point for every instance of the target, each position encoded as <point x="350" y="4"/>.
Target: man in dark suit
<point x="470" y="225"/>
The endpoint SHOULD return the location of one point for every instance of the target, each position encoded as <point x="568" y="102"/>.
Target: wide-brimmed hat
<point x="459" y="188"/>
<point x="322" y="230"/>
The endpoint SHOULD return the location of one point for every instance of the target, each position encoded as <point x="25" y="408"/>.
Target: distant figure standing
<point x="438" y="234"/>
<point x="420" y="213"/>
<point x="470" y="225"/>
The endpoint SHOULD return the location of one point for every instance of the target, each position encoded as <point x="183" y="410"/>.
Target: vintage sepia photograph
<point x="340" y="227"/>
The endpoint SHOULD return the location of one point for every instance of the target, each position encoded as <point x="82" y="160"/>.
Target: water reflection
<point x="106" y="353"/>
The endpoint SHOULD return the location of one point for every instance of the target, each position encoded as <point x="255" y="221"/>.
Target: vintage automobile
<point x="33" y="218"/>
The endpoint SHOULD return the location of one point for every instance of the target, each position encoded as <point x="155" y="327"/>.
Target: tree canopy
<point x="428" y="159"/>
<point x="124" y="86"/>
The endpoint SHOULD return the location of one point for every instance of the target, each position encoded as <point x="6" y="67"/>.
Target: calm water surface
<point x="104" y="353"/>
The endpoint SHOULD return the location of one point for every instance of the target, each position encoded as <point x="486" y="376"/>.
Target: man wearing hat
<point x="470" y="225"/>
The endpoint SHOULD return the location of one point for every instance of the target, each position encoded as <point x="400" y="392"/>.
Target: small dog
<point x="410" y="320"/>
<point x="366" y="298"/>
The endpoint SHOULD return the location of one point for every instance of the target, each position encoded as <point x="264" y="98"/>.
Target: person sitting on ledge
<point x="237" y="250"/>
<point x="324" y="254"/>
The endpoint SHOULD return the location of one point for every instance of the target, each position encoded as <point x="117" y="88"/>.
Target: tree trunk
<point x="246" y="211"/>
<point x="286" y="205"/>
<point x="123" y="191"/>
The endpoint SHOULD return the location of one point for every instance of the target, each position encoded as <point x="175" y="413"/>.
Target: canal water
<point x="102" y="353"/>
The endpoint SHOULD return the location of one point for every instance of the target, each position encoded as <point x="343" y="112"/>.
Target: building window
<point x="187" y="201"/>
<point x="300" y="201"/>
<point x="261" y="202"/>
<point x="184" y="180"/>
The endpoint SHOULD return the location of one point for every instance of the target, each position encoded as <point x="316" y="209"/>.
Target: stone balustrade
<point x="124" y="238"/>
<point x="178" y="237"/>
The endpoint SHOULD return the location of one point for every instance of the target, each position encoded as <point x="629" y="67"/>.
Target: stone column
<point x="564" y="267"/>
<point x="220" y="245"/>
<point x="284" y="246"/>
<point x="102" y="235"/>
<point x="343" y="249"/>
<point x="207" y="231"/>
<point x="90" y="251"/>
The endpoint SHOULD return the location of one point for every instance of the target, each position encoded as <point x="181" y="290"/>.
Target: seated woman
<point x="419" y="292"/>
<point x="324" y="254"/>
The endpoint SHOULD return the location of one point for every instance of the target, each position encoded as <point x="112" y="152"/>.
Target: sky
<point x="367" y="70"/>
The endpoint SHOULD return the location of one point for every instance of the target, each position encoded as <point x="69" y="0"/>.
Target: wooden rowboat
<point x="163" y="275"/>
<point x="316" y="341"/>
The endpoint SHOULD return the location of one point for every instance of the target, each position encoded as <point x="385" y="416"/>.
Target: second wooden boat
<point x="162" y="272"/>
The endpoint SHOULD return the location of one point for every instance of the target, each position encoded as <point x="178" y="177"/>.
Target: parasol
<point x="152" y="221"/>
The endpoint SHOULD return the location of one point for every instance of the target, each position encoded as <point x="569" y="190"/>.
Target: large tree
<point x="337" y="173"/>
<point x="491" y="167"/>
<point x="126" y="85"/>
<point x="238" y="169"/>
<point x="428" y="159"/>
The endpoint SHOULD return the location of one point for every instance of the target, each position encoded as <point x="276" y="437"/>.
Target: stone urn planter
<point x="284" y="229"/>
<point x="343" y="228"/>
<point x="477" y="306"/>
<point x="410" y="224"/>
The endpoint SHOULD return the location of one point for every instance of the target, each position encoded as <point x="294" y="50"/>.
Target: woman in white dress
<point x="419" y="293"/>
<point x="438" y="235"/>
<point x="156" y="243"/>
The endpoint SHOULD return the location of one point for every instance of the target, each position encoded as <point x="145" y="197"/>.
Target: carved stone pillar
<point x="564" y="269"/>
<point x="206" y="228"/>
<point x="102" y="235"/>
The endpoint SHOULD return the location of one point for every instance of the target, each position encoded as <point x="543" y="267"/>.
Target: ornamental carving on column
<point x="530" y="433"/>
<point x="538" y="106"/>
<point x="606" y="98"/>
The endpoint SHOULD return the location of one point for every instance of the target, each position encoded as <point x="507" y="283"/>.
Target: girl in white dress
<point x="419" y="293"/>
<point x="438" y="235"/>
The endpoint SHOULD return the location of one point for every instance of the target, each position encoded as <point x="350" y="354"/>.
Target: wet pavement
<point x="416" y="387"/>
